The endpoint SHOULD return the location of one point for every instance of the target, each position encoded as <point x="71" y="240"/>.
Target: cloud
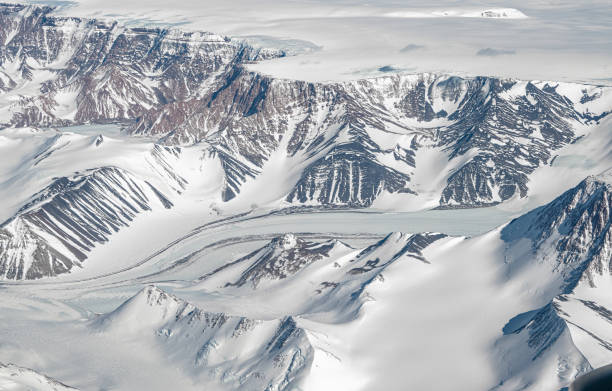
<point x="388" y="68"/>
<point x="411" y="47"/>
<point x="491" y="52"/>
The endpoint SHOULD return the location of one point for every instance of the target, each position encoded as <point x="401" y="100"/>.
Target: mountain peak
<point x="286" y="241"/>
<point x="577" y="225"/>
<point x="283" y="256"/>
<point x="217" y="346"/>
<point x="150" y="307"/>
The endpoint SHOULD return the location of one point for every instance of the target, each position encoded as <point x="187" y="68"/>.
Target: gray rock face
<point x="500" y="131"/>
<point x="104" y="71"/>
<point x="513" y="137"/>
<point x="571" y="236"/>
<point x="349" y="175"/>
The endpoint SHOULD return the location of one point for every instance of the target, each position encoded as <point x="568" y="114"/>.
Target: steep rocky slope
<point x="63" y="222"/>
<point x="359" y="139"/>
<point x="61" y="70"/>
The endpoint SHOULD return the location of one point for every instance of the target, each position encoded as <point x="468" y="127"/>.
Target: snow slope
<point x="56" y="212"/>
<point x="13" y="377"/>
<point x="237" y="352"/>
<point x="518" y="301"/>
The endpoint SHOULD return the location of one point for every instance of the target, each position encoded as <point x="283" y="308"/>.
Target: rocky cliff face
<point x="497" y="132"/>
<point x="88" y="194"/>
<point x="81" y="71"/>
<point x="360" y="138"/>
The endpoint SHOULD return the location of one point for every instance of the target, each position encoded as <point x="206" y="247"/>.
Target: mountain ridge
<point x="494" y="132"/>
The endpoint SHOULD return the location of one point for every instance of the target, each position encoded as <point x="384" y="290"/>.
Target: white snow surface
<point x="561" y="40"/>
<point x="13" y="377"/>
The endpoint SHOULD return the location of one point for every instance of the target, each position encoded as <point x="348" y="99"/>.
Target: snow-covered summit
<point x="286" y="241"/>
<point x="150" y="308"/>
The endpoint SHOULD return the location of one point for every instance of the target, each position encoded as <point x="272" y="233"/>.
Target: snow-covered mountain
<point x="282" y="257"/>
<point x="183" y="221"/>
<point x="546" y="275"/>
<point x="352" y="142"/>
<point x="60" y="70"/>
<point x="236" y="352"/>
<point x="570" y="241"/>
<point x="577" y="225"/>
<point x="345" y="144"/>
<point x="555" y="260"/>
<point x="525" y="304"/>
<point x="53" y="232"/>
<point x="327" y="279"/>
<point x="101" y="190"/>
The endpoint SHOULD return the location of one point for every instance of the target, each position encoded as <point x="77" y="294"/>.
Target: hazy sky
<point x="559" y="40"/>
